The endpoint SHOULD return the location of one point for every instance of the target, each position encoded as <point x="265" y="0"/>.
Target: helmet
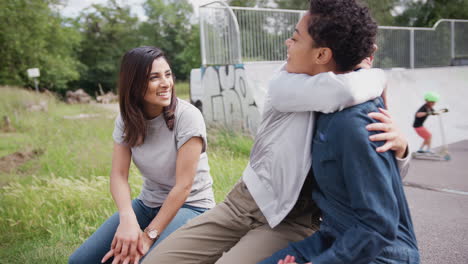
<point x="431" y="97"/>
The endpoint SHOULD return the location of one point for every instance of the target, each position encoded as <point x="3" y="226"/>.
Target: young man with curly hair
<point x="267" y="209"/>
<point x="365" y="215"/>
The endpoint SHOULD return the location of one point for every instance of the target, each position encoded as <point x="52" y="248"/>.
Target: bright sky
<point x="73" y="7"/>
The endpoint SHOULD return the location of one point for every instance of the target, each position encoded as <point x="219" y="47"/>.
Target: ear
<point x="324" y="56"/>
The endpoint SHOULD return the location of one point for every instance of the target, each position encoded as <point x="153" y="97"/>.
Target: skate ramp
<point x="234" y="96"/>
<point x="406" y="90"/>
<point x="228" y="98"/>
<point x="258" y="76"/>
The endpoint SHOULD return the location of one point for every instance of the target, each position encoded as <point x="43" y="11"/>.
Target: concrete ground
<point x="437" y="192"/>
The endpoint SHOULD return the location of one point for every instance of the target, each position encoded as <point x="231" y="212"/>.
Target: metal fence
<point x="219" y="35"/>
<point x="411" y="47"/>
<point x="232" y="35"/>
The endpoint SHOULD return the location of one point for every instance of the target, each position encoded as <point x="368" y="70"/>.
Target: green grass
<point x="51" y="204"/>
<point x="228" y="154"/>
<point x="183" y="90"/>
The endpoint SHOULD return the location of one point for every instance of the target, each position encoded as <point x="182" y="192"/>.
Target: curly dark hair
<point x="344" y="26"/>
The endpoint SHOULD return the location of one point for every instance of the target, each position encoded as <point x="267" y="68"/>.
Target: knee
<point x="73" y="259"/>
<point x="77" y="258"/>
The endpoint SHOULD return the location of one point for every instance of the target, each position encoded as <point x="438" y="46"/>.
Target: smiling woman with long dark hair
<point x="166" y="139"/>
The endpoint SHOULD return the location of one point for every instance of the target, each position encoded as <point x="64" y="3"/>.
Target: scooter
<point x="443" y="153"/>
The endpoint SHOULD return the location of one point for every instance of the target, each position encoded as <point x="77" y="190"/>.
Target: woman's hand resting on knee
<point x="127" y="242"/>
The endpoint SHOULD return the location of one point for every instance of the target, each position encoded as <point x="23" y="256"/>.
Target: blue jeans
<point x="98" y="244"/>
<point x="387" y="256"/>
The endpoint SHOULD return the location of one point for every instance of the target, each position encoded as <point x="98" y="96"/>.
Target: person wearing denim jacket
<point x="364" y="212"/>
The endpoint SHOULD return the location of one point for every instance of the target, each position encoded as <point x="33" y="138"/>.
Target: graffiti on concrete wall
<point x="228" y="99"/>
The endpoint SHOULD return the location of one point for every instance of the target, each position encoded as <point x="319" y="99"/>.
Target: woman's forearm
<point x="187" y="161"/>
<point x="120" y="190"/>
<point x="174" y="201"/>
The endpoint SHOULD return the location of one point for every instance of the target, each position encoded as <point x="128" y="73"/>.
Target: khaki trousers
<point x="234" y="231"/>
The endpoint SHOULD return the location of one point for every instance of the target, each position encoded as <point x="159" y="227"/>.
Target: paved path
<point x="441" y="217"/>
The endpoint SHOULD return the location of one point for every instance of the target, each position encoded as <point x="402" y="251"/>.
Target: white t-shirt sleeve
<point x="325" y="92"/>
<point x="118" y="133"/>
<point x="404" y="163"/>
<point x="190" y="124"/>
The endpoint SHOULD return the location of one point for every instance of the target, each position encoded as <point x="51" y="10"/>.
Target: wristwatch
<point x="152" y="233"/>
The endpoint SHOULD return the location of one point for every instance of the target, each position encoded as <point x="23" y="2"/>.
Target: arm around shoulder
<point x="291" y="92"/>
<point x="325" y="92"/>
<point x="186" y="166"/>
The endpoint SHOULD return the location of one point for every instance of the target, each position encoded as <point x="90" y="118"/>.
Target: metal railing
<point x="412" y="47"/>
<point x="219" y="35"/>
<point x="233" y="35"/>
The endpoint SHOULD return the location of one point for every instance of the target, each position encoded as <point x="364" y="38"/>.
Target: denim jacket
<point x="359" y="191"/>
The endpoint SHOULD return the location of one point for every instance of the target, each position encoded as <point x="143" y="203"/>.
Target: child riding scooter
<point x="423" y="112"/>
<point x="421" y="116"/>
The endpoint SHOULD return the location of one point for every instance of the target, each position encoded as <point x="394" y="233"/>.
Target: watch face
<point x="153" y="234"/>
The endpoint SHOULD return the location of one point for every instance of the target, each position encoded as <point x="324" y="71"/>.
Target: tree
<point x="426" y="14"/>
<point x="33" y="35"/>
<point x="292" y="4"/>
<point x="108" y="32"/>
<point x="382" y="10"/>
<point x="190" y="57"/>
<point x="243" y="3"/>
<point x="169" y="28"/>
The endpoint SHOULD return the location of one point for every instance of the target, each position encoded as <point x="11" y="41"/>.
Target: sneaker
<point x="421" y="151"/>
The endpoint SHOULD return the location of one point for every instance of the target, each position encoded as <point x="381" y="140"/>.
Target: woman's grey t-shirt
<point x="156" y="157"/>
